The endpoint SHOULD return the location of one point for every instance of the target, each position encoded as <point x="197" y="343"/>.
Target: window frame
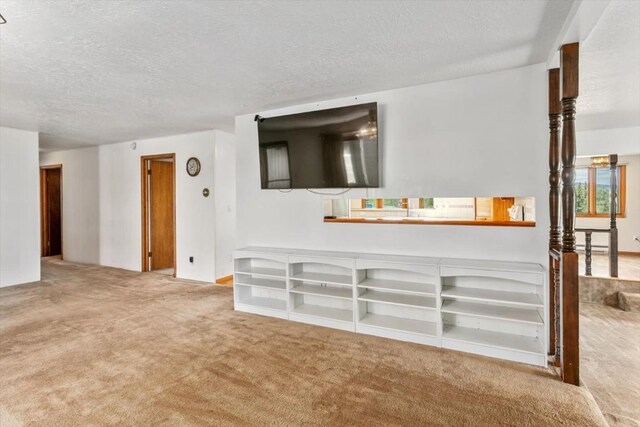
<point x="591" y="193"/>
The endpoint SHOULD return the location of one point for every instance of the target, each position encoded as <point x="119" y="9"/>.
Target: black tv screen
<point x="333" y="148"/>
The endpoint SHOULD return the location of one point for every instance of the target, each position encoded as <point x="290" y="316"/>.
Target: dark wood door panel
<point x="161" y="210"/>
<point x="55" y="211"/>
<point x="51" y="210"/>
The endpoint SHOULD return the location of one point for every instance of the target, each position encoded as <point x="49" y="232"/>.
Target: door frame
<point x="144" y="252"/>
<point x="43" y="206"/>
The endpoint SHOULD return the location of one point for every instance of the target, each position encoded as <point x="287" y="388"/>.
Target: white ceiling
<point x="95" y="72"/>
<point x="610" y="70"/>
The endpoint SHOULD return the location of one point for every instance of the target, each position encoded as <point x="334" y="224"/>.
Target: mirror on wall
<point x="501" y="210"/>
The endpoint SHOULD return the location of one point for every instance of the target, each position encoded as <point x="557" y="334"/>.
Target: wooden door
<point x="51" y="211"/>
<point x="161" y="211"/>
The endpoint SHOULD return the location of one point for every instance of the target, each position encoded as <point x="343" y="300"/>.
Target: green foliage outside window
<point x="428" y="203"/>
<point x="392" y="203"/>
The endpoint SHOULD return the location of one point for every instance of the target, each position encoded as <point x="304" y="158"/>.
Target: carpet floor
<point x="91" y="345"/>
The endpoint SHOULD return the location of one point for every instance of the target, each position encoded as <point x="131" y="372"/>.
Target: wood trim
<point x="438" y="222"/>
<point x="622" y="191"/>
<point x="628" y="253"/>
<point x="570" y="319"/>
<point x="144" y="210"/>
<point x="225" y="280"/>
<point x="592" y="191"/>
<point x="43" y="208"/>
<point x="569" y="66"/>
<point x="43" y="212"/>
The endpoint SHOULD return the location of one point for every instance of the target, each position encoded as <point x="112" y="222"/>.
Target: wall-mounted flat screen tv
<point x="333" y="148"/>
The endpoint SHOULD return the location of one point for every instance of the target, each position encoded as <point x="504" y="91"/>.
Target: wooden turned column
<point x="587" y="252"/>
<point x="555" y="110"/>
<point x="613" y="227"/>
<point x="569" y="55"/>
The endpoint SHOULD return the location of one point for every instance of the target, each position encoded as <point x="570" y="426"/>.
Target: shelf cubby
<point x="492" y="311"/>
<point x="488" y="295"/>
<point x="328" y="291"/>
<point x="390" y="285"/>
<point x="402" y="324"/>
<point x="324" y="312"/>
<point x="321" y="292"/>
<point x="488" y="312"/>
<point x="323" y="278"/>
<point x="398" y="299"/>
<point x="500" y="340"/>
<point x="259" y="282"/>
<point x="260" y="285"/>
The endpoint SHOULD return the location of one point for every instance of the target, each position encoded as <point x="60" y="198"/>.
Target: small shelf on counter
<point x="415" y="221"/>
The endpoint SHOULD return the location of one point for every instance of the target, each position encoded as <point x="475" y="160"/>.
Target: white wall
<point x="19" y="207"/>
<point x="120" y="204"/>
<point x="478" y="136"/>
<point x="621" y="141"/>
<point x="80" y="202"/>
<point x="629" y="226"/>
<point x="225" y="201"/>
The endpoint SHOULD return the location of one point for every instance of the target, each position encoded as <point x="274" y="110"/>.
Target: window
<point x="593" y="191"/>
<point x="384" y="203"/>
<point x="426" y="203"/>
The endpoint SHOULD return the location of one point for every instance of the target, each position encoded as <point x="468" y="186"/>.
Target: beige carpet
<point x="610" y="361"/>
<point x="100" y="346"/>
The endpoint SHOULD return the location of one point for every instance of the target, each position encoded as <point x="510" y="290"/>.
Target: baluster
<point x="613" y="229"/>
<point x="587" y="249"/>
<point x="555" y="109"/>
<point x="556" y="310"/>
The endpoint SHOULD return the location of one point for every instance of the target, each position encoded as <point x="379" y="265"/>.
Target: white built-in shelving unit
<point x="496" y="309"/>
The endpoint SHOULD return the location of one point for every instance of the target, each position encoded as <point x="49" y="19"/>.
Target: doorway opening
<point x="158" y="213"/>
<point x="51" y="211"/>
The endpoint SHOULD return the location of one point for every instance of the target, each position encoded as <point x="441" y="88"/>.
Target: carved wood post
<point x="587" y="251"/>
<point x="613" y="229"/>
<point x="569" y="55"/>
<point x="555" y="109"/>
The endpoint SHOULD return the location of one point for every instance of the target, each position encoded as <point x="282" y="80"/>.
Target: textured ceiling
<point x="93" y="72"/>
<point x="610" y="70"/>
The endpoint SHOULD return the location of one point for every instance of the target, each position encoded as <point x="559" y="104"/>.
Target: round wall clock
<point x="193" y="166"/>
